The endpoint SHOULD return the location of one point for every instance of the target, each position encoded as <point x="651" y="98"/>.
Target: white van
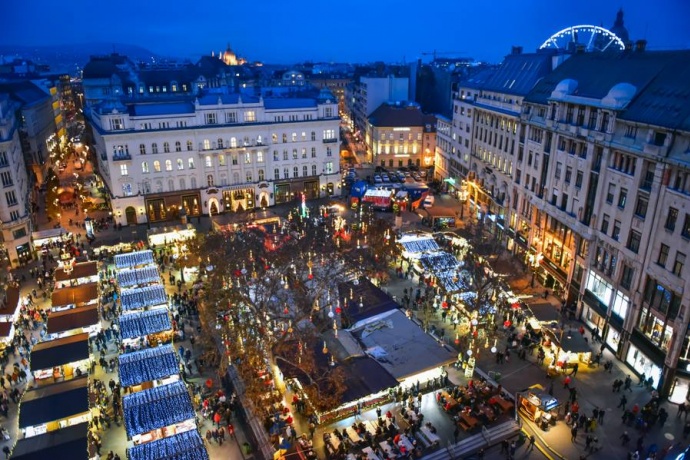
<point x="428" y="201"/>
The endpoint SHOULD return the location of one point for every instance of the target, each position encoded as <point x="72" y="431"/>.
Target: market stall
<point x="45" y="238"/>
<point x="60" y="359"/>
<point x="75" y="321"/>
<point x="564" y="348"/>
<point x="80" y="273"/>
<point x="143" y="323"/>
<point x="134" y="259"/>
<point x="70" y="439"/>
<point x="413" y="243"/>
<point x="73" y="297"/>
<point x="135" y="299"/>
<point x="164" y="236"/>
<point x="141" y="276"/>
<point x="47" y="408"/>
<point x="539" y="406"/>
<point x="159" y="409"/>
<point x="9" y="313"/>
<point x="188" y="445"/>
<point x="148" y="365"/>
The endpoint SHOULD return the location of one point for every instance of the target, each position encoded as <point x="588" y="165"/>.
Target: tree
<point x="52" y="199"/>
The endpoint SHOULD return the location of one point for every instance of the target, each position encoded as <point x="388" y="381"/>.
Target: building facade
<point x="597" y="200"/>
<point x="366" y="94"/>
<point x="400" y="135"/>
<point x="15" y="221"/>
<point x="208" y="151"/>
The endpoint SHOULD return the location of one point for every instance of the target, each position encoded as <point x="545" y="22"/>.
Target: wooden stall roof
<point x="46" y="355"/>
<point x="80" y="270"/>
<point x="77" y="295"/>
<point x="72" y="319"/>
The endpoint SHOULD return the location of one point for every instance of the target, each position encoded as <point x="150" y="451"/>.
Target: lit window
<point x="168" y="165"/>
<point x="123" y="170"/>
<point x="180" y="165"/>
<point x="145" y="167"/>
<point x="209" y="161"/>
<point x="157" y="166"/>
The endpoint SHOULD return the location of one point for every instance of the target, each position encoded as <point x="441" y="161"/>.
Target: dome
<point x="619" y="95"/>
<point x="565" y="88"/>
<point x="619" y="29"/>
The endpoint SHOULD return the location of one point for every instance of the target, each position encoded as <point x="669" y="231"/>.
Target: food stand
<point x="164" y="236"/>
<point x="539" y="406"/>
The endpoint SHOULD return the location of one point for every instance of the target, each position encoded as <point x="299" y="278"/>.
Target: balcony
<point x="122" y="157"/>
<point x="330" y="140"/>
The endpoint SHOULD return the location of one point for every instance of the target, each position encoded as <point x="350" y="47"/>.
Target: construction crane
<point x="435" y="53"/>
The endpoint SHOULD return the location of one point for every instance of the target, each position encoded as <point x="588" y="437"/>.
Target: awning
<point x="573" y="341"/>
<point x="156" y="407"/>
<point x="46" y="355"/>
<point x="140" y="324"/>
<point x="134" y="259"/>
<point x="134" y="299"/>
<point x="72" y="319"/>
<point x="147" y="365"/>
<point x="185" y="445"/>
<point x="77" y="295"/>
<point x="66" y="443"/>
<point x="54" y="402"/>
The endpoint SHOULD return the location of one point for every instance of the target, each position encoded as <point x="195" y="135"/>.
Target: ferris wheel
<point x="593" y="38"/>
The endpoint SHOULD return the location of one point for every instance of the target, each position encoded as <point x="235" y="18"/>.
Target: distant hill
<point x="71" y="57"/>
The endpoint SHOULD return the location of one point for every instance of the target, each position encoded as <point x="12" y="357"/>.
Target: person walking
<point x="532" y="441"/>
<point x="573" y="433"/>
<point x="566" y="382"/>
<point x="627" y="383"/>
<point x="625" y="439"/>
<point x="575" y="368"/>
<point x="623" y="402"/>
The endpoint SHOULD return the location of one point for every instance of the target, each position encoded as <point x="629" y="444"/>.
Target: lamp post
<point x="535" y="261"/>
<point x="463" y="198"/>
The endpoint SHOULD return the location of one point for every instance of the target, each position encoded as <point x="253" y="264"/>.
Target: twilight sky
<point x="279" y="31"/>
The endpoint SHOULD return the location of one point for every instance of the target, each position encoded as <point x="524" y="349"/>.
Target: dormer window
<point x="173" y="86"/>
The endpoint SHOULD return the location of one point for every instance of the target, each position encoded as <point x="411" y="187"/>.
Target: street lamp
<point x="463" y="198"/>
<point x="535" y="261"/>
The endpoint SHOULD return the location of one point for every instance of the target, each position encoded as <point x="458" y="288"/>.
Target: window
<point x="189" y="146"/>
<point x="142" y="149"/>
<point x="605" y="224"/>
<point x="116" y="124"/>
<point x="183" y="184"/>
<point x="6" y="179"/>
<point x="284" y="138"/>
<point x="559" y="166"/>
<point x="192" y="182"/>
<point x="634" y="241"/>
<point x="663" y="255"/>
<point x="190" y="163"/>
<point x="275" y="155"/>
<point x="261" y="175"/>
<point x="616" y="230"/>
<point x="329" y="152"/>
<point x="627" y="276"/>
<point x="313" y="135"/>
<point x="286" y="173"/>
<point x="123" y="170"/>
<point x="295" y="172"/>
<point x="166" y="147"/>
<point x="641" y="207"/>
<point x="247" y="158"/>
<point x="294" y="154"/>
<point x="330" y="134"/>
<point x="221" y="160"/>
<point x="145" y="167"/>
<point x="157" y="166"/>
<point x="209" y="180"/>
<point x="178" y="146"/>
<point x="610" y="193"/>
<point x="285" y="155"/>
<point x="127" y="189"/>
<point x="249" y="176"/>
<point x="631" y="131"/>
<point x="207" y="144"/>
<point x="678" y="264"/>
<point x="168" y="165"/>
<point x="329" y="167"/>
<point x="230" y="117"/>
<point x="686" y="227"/>
<point x="313" y="152"/>
<point x="304" y="152"/>
<point x="154" y="148"/>
<point x="180" y="164"/>
<point x="233" y="142"/>
<point x="305" y="171"/>
<point x="234" y="159"/>
<point x="578" y="179"/>
<point x="249" y="116"/>
<point x="11" y="198"/>
<point x="210" y="118"/>
<point x="276" y="174"/>
<point x="220" y="143"/>
<point x="208" y="161"/>
<point x="568" y="174"/>
<point x="313" y="170"/>
<point x="622" y="198"/>
<point x="294" y="137"/>
<point x="259" y="156"/>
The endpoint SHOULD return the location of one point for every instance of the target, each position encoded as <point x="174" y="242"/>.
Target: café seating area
<point x="473" y="405"/>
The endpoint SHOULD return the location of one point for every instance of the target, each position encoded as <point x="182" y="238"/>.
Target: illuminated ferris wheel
<point x="592" y="38"/>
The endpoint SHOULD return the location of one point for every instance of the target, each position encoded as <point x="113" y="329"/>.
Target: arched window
<point x="235" y="178"/>
<point x="180" y="164"/>
<point x="193" y="182"/>
<point x="209" y="180"/>
<point x="145" y="167"/>
<point x="220" y="143"/>
<point x="142" y="149"/>
<point x="171" y="185"/>
<point x="168" y="165"/>
<point x="190" y="163"/>
<point x="286" y="173"/>
<point x="295" y="172"/>
<point x="190" y="146"/>
<point x="157" y="166"/>
<point x="249" y="176"/>
<point x="154" y="148"/>
<point x="261" y="175"/>
<point x="305" y="171"/>
<point x="159" y="186"/>
<point x="166" y="147"/>
<point x="233" y="142"/>
<point x="178" y="146"/>
<point x="182" y="183"/>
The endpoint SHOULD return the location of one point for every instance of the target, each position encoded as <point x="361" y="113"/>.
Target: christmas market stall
<point x="166" y="236"/>
<point x="187" y="445"/>
<point x="49" y="407"/>
<point x="158" y="412"/>
<point x="60" y="359"/>
<point x="538" y="406"/>
<point x="75" y="321"/>
<point x="72" y="297"/>
<point x="134" y="259"/>
<point x="71" y="440"/>
<point x="414" y="244"/>
<point x="135" y="299"/>
<point x="148" y="367"/>
<point x="564" y="347"/>
<point x="45" y="238"/>
<point x="9" y="313"/>
<point x="138" y="277"/>
<point x="77" y="274"/>
<point x="143" y="324"/>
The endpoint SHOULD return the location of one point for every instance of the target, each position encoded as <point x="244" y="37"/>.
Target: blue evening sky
<point x="283" y="31"/>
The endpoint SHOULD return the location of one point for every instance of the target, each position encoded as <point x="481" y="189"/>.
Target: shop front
<point x="238" y="198"/>
<point x="644" y="358"/>
<point x="162" y="207"/>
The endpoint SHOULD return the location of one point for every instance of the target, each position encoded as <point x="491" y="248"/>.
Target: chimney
<point x="640" y="45"/>
<point x="516" y="50"/>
